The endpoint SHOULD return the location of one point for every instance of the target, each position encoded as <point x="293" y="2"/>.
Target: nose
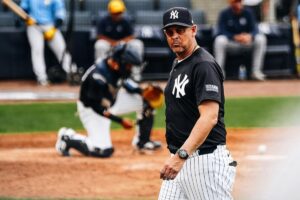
<point x="175" y="35"/>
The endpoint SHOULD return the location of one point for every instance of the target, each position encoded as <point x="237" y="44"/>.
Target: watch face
<point x="182" y="154"/>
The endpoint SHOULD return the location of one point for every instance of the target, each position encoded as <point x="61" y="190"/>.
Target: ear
<point x="194" y="29"/>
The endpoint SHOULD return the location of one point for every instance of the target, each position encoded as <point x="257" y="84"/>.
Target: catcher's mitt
<point x="153" y="95"/>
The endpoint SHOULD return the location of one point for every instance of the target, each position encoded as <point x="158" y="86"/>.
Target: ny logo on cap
<point x="174" y="14"/>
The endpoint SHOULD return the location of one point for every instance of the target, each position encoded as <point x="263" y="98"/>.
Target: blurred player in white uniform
<point x="46" y="17"/>
<point x="106" y="93"/>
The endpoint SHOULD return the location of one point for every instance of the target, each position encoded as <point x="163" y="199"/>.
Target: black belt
<point x="206" y="150"/>
<point x="203" y="151"/>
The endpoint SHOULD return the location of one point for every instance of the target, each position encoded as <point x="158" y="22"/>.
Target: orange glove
<point x="153" y="95"/>
<point x="30" y="21"/>
<point x="50" y="33"/>
<point x="127" y="123"/>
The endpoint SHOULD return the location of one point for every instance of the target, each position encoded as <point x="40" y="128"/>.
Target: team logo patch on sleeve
<point x="211" y="88"/>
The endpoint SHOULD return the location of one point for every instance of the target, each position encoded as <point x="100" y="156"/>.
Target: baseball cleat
<point x="258" y="76"/>
<point x="43" y="82"/>
<point x="61" y="142"/>
<point x="151" y="145"/>
<point x="148" y="148"/>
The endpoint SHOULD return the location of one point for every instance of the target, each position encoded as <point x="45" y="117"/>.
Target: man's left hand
<point x="50" y="33"/>
<point x="243" y="38"/>
<point x="171" y="168"/>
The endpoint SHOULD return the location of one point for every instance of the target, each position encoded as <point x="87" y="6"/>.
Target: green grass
<point x="262" y="112"/>
<point x="240" y="112"/>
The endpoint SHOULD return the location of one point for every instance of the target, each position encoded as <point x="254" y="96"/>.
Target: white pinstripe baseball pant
<point x="202" y="177"/>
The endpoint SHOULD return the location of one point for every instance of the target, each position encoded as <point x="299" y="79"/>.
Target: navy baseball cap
<point x="177" y="16"/>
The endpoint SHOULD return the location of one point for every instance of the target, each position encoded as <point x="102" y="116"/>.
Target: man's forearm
<point x="207" y="120"/>
<point x="198" y="135"/>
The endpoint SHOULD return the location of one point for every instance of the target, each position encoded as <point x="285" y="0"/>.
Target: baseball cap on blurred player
<point x="177" y="16"/>
<point x="116" y="6"/>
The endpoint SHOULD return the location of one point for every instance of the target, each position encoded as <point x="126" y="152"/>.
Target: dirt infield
<point x="232" y="88"/>
<point x="30" y="167"/>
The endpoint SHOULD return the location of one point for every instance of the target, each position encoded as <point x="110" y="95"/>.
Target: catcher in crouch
<point x="105" y="93"/>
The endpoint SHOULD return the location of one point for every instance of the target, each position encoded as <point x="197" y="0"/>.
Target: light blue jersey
<point x="45" y="11"/>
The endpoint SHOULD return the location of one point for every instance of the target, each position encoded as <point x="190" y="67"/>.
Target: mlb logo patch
<point x="211" y="88"/>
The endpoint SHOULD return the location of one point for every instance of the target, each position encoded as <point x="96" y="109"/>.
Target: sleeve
<point x="131" y="86"/>
<point x="97" y="90"/>
<point x="207" y="82"/>
<point x="222" y="28"/>
<point x="59" y="9"/>
<point x="25" y="5"/>
<point x="253" y="24"/>
<point x="100" y="26"/>
<point x="128" y="30"/>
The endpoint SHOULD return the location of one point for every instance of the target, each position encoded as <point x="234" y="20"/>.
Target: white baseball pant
<point x="202" y="177"/>
<point x="57" y="45"/>
<point x="222" y="44"/>
<point x="98" y="127"/>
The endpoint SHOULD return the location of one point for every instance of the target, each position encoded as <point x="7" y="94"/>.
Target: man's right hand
<point x="243" y="38"/>
<point x="30" y="21"/>
<point x="127" y="123"/>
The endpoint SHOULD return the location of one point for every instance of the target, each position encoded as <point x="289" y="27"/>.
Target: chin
<point x="177" y="49"/>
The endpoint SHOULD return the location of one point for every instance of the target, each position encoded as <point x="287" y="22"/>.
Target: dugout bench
<point x="15" y="61"/>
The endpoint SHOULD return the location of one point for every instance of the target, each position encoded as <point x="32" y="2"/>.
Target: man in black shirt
<point x="102" y="99"/>
<point x="200" y="166"/>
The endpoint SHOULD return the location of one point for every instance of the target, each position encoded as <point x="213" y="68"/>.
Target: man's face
<point x="180" y="38"/>
<point x="236" y="5"/>
<point x="116" y="16"/>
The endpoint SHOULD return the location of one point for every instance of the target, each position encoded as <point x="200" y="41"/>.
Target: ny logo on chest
<point x="179" y="86"/>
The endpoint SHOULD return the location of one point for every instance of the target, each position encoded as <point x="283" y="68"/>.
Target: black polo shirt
<point x="193" y="80"/>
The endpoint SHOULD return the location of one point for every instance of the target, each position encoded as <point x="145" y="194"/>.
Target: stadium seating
<point x="82" y="20"/>
<point x="78" y="5"/>
<point x="15" y="59"/>
<point x="280" y="60"/>
<point x="148" y="17"/>
<point x="166" y="4"/>
<point x="7" y="19"/>
<point x="136" y="5"/>
<point x="96" y="6"/>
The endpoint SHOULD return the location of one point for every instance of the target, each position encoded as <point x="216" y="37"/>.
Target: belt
<point x="203" y="151"/>
<point x="206" y="150"/>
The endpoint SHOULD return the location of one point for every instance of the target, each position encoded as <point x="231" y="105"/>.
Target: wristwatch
<point x="183" y="154"/>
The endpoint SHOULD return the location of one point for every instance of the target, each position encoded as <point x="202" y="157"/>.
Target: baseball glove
<point x="153" y="95"/>
<point x="50" y="33"/>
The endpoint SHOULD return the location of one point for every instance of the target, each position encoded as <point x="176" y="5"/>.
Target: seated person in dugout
<point x="113" y="28"/>
<point x="237" y="30"/>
